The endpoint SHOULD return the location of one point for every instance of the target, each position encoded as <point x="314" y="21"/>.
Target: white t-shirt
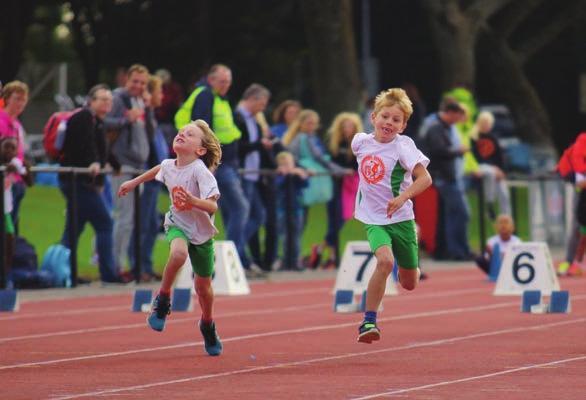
<point x="385" y="171"/>
<point x="197" y="179"/>
<point x="503" y="246"/>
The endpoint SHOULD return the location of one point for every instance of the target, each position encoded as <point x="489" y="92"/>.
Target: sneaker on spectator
<point x="368" y="332"/>
<point x="315" y="256"/>
<point x="160" y="309"/>
<point x="563" y="268"/>
<point x="575" y="270"/>
<point x="212" y="343"/>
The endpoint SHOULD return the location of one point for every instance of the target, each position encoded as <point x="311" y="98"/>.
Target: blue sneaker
<point x="368" y="332"/>
<point x="211" y="339"/>
<point x="161" y="308"/>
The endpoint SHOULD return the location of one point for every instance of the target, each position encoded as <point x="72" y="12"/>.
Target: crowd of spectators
<point x="269" y="176"/>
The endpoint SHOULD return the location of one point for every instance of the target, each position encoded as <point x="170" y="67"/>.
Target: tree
<point x="455" y="25"/>
<point x="512" y="38"/>
<point x="330" y="35"/>
<point x="14" y="22"/>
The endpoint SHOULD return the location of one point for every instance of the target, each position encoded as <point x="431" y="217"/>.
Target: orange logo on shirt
<point x="372" y="169"/>
<point x="179" y="201"/>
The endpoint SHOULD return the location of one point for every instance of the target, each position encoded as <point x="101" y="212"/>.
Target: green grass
<point x="43" y="218"/>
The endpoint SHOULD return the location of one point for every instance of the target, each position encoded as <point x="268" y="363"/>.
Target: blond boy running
<point x="392" y="171"/>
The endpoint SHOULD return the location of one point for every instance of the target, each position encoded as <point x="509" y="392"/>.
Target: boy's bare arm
<point x="421" y="182"/>
<point x="209" y="205"/>
<point x="128" y="186"/>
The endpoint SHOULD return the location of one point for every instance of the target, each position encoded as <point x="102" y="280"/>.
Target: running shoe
<point x="212" y="343"/>
<point x="161" y="308"/>
<point x="368" y="332"/>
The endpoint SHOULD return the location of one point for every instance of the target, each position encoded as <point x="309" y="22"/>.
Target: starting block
<point x="560" y="302"/>
<point x="8" y="300"/>
<point x="142" y="300"/>
<point x="530" y="298"/>
<point x="344" y="301"/>
<point x="182" y="300"/>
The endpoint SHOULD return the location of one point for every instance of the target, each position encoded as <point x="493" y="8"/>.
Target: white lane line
<point x="264" y="334"/>
<point x="472" y="378"/>
<point x="171" y="321"/>
<point x="322" y="359"/>
<point x="218" y="299"/>
<point x="231" y="314"/>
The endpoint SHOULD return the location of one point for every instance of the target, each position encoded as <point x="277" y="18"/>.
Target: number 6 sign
<point x="527" y="266"/>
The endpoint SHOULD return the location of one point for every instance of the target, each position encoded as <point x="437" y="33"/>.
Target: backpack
<point x="56" y="261"/>
<point x="573" y="159"/>
<point x="54" y="133"/>
<point x="25" y="256"/>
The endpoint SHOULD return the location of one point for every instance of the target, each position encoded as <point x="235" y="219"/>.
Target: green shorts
<point x="8" y="224"/>
<point x="201" y="255"/>
<point x="401" y="237"/>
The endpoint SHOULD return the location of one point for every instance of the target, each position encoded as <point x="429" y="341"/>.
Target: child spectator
<point x="189" y="224"/>
<point x="504" y="239"/>
<point x="8" y="150"/>
<point x="489" y="155"/>
<point x="289" y="183"/>
<point x="341" y="207"/>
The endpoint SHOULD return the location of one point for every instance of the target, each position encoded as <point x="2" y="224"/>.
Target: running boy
<point x="189" y="224"/>
<point x="387" y="161"/>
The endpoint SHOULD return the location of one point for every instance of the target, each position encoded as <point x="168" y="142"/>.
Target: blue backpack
<point x="56" y="261"/>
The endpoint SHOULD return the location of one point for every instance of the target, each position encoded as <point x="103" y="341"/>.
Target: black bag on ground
<point x="25" y="273"/>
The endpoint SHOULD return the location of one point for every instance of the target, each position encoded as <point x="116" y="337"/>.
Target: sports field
<point x="449" y="339"/>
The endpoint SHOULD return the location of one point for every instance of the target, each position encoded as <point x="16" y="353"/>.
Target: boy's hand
<point x="394" y="204"/>
<point x="126" y="188"/>
<point x="182" y="199"/>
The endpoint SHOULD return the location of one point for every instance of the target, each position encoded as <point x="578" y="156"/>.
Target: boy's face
<point x="188" y="141"/>
<point x="8" y="149"/>
<point x="388" y="123"/>
<point x="286" y="164"/>
<point x="505" y="228"/>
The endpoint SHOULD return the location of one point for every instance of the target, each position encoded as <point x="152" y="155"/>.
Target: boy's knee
<point x="179" y="256"/>
<point x="385" y="266"/>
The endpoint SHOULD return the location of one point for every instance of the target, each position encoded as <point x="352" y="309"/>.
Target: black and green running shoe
<point x="368" y="332"/>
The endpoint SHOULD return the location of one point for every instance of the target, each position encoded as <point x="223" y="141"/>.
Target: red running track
<point x="449" y="339"/>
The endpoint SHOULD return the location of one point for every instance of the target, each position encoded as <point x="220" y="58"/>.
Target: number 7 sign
<point x="357" y="266"/>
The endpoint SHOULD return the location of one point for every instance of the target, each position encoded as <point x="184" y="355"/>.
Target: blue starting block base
<point x="560" y="302"/>
<point x="8" y="300"/>
<point x="142" y="300"/>
<point x="344" y="301"/>
<point x="530" y="298"/>
<point x="495" y="264"/>
<point x="181" y="299"/>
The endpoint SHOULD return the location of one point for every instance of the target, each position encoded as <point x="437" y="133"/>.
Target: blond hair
<point x="391" y="97"/>
<point x="14" y="87"/>
<point x="154" y="83"/>
<point x="296" y="125"/>
<point x="284" y="155"/>
<point x="484" y="116"/>
<point x="138" y="68"/>
<point x="210" y="142"/>
<point x="336" y="133"/>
